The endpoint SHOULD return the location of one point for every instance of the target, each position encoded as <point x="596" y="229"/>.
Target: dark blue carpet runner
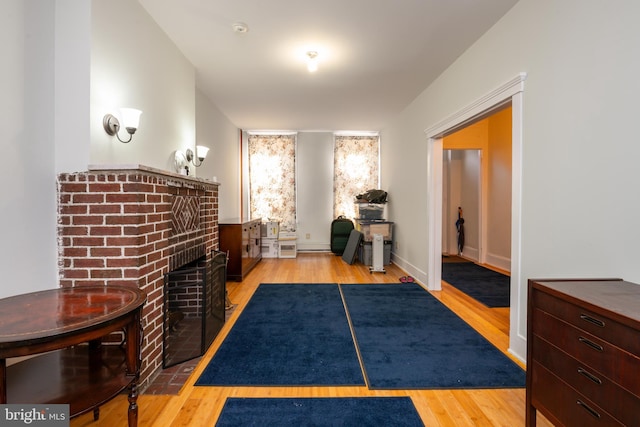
<point x="299" y="335"/>
<point x="483" y="284"/>
<point x="288" y="334"/>
<point x="320" y="412"/>
<point x="410" y="340"/>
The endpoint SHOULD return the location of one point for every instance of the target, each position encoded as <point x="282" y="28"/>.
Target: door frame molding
<point x="510" y="91"/>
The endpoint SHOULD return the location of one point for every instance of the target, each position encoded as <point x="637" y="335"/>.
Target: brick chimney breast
<point x="130" y="225"/>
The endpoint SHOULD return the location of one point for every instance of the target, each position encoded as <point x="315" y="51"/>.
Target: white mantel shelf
<point x="143" y="168"/>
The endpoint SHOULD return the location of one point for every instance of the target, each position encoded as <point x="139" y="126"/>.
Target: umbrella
<point x="460" y="228"/>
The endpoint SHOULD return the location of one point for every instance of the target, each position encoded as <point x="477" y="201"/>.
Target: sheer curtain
<point x="272" y="178"/>
<point x="356" y="170"/>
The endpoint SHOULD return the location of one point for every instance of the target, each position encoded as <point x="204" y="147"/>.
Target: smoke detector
<point x="240" y="27"/>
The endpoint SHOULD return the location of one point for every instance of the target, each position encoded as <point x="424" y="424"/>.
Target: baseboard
<point x="321" y="247"/>
<point x="409" y="268"/>
<point x="499" y="261"/>
<point x="518" y="347"/>
<point x="471" y="253"/>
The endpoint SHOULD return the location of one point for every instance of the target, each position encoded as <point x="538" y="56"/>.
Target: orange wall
<point x="492" y="135"/>
<point x="472" y="137"/>
<point x="499" y="185"/>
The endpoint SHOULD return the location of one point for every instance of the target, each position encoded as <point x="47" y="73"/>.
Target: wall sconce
<point x="182" y="159"/>
<point x="201" y="154"/>
<point x="130" y="121"/>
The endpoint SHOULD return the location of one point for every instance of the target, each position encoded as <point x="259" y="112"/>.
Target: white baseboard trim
<point x="412" y="270"/>
<point x="518" y="348"/>
<point x="471" y="253"/>
<point x="499" y="261"/>
<point x="313" y="247"/>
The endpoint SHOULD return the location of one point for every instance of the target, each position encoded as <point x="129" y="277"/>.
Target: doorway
<point x="477" y="176"/>
<point x="510" y="92"/>
<point x="462" y="198"/>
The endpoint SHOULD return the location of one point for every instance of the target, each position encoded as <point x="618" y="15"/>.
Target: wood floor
<point x="200" y="406"/>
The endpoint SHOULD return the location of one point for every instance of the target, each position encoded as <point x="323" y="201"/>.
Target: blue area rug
<point x="410" y="340"/>
<point x="482" y="284"/>
<point x="348" y="412"/>
<point x="288" y="334"/>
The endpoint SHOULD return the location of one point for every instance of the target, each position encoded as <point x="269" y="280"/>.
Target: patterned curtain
<point x="355" y="170"/>
<point x="272" y="178"/>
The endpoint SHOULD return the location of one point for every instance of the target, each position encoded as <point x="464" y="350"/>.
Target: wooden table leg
<point x="134" y="341"/>
<point x="133" y="404"/>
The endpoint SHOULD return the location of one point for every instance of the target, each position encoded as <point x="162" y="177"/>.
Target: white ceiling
<point x="375" y="56"/>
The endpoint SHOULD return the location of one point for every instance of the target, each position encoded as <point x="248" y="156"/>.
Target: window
<point x="356" y="170"/>
<point x="272" y="178"/>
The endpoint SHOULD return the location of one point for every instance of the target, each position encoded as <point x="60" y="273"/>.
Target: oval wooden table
<point x="67" y="326"/>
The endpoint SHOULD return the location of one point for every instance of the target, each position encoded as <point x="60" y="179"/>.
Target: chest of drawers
<point x="242" y="240"/>
<point x="583" y="355"/>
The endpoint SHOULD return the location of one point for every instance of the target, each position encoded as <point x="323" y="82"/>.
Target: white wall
<point x="72" y="85"/>
<point x="134" y="64"/>
<point x="215" y="131"/>
<point x="403" y="151"/>
<point x="244" y="172"/>
<point x="314" y="192"/>
<point x="27" y="207"/>
<point x="580" y="151"/>
<point x="315" y="189"/>
<point x="451" y="172"/>
<point x="470" y="180"/>
<point x="67" y="63"/>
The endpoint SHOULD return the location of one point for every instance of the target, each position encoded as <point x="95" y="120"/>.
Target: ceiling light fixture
<point x="312" y="61"/>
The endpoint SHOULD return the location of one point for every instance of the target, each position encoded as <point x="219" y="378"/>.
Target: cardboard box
<point x="369" y="227"/>
<point x="270" y="229"/>
<point x="269" y="248"/>
<point x="287" y="249"/>
<point x="288" y="235"/>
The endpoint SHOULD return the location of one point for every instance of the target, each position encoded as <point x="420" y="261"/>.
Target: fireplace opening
<point x="194" y="308"/>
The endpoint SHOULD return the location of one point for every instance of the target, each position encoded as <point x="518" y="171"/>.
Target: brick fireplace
<point x="130" y="225"/>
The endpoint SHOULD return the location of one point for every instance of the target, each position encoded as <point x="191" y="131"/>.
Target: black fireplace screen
<point x="194" y="308"/>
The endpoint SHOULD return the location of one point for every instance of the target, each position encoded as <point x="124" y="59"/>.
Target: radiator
<point x="377" y="254"/>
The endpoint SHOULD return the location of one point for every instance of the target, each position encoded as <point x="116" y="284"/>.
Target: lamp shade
<point x="130" y="117"/>
<point x="201" y="152"/>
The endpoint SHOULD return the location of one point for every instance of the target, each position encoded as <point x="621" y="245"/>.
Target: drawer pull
<point x="590" y="376"/>
<point x="592" y="320"/>
<point x="589" y="409"/>
<point x="591" y="344"/>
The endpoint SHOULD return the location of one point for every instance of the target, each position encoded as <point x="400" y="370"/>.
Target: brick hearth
<point x="130" y="225"/>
